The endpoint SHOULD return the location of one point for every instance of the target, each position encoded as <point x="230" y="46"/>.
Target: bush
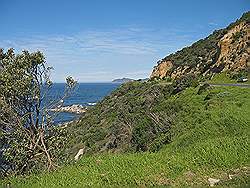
<point x="184" y="82"/>
<point x="239" y="75"/>
<point x="203" y="88"/>
<point x="142" y="134"/>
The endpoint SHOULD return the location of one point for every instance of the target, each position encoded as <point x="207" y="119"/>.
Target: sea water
<point x="86" y="94"/>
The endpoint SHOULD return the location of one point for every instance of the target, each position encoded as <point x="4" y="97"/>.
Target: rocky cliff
<point x="225" y="50"/>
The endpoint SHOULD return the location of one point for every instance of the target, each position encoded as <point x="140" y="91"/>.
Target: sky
<point x="101" y="40"/>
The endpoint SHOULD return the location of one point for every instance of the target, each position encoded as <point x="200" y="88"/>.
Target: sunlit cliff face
<point x="232" y="53"/>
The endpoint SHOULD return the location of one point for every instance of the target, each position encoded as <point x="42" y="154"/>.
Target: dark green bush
<point x="142" y="134"/>
<point x="239" y="75"/>
<point x="184" y="82"/>
<point x="203" y="88"/>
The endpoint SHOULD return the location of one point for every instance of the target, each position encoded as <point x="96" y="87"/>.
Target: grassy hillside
<point x="160" y="133"/>
<point x="136" y="117"/>
<point x="223" y="78"/>
<point x="209" y="138"/>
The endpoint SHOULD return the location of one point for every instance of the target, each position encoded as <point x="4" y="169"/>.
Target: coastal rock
<point x="75" y="108"/>
<point x="65" y="124"/>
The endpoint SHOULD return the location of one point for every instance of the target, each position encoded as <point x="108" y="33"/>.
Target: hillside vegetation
<point x="135" y="117"/>
<point x="225" y="50"/>
<point x="209" y="138"/>
<point x="170" y="130"/>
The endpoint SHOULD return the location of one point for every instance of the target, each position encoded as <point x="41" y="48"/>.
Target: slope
<point x="208" y="142"/>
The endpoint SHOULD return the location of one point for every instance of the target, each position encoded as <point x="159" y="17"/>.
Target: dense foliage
<point x="135" y="117"/>
<point x="28" y="139"/>
<point x="203" y="51"/>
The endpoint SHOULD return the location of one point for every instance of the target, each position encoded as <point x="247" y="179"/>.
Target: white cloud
<point x="85" y="54"/>
<point x="212" y="24"/>
<point x="124" y="41"/>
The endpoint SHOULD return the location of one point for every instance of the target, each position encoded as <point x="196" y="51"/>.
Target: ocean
<point x="86" y="94"/>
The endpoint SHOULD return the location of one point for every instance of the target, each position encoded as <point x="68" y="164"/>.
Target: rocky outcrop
<point x="234" y="50"/>
<point x="163" y="69"/>
<point x="225" y="50"/>
<point x="75" y="108"/>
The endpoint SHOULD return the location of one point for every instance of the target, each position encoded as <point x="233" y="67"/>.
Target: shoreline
<point x="74" y="108"/>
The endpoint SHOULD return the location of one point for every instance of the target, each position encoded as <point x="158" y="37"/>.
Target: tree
<point x="26" y="126"/>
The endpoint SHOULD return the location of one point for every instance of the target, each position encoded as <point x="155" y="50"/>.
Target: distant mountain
<point x="122" y="80"/>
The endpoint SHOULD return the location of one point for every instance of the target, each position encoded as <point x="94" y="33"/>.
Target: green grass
<point x="210" y="139"/>
<point x="223" y="78"/>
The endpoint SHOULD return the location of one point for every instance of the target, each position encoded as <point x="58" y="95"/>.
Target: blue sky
<point x="100" y="40"/>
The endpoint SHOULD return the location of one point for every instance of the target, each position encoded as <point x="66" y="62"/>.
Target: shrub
<point x="203" y="88"/>
<point x="184" y="82"/>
